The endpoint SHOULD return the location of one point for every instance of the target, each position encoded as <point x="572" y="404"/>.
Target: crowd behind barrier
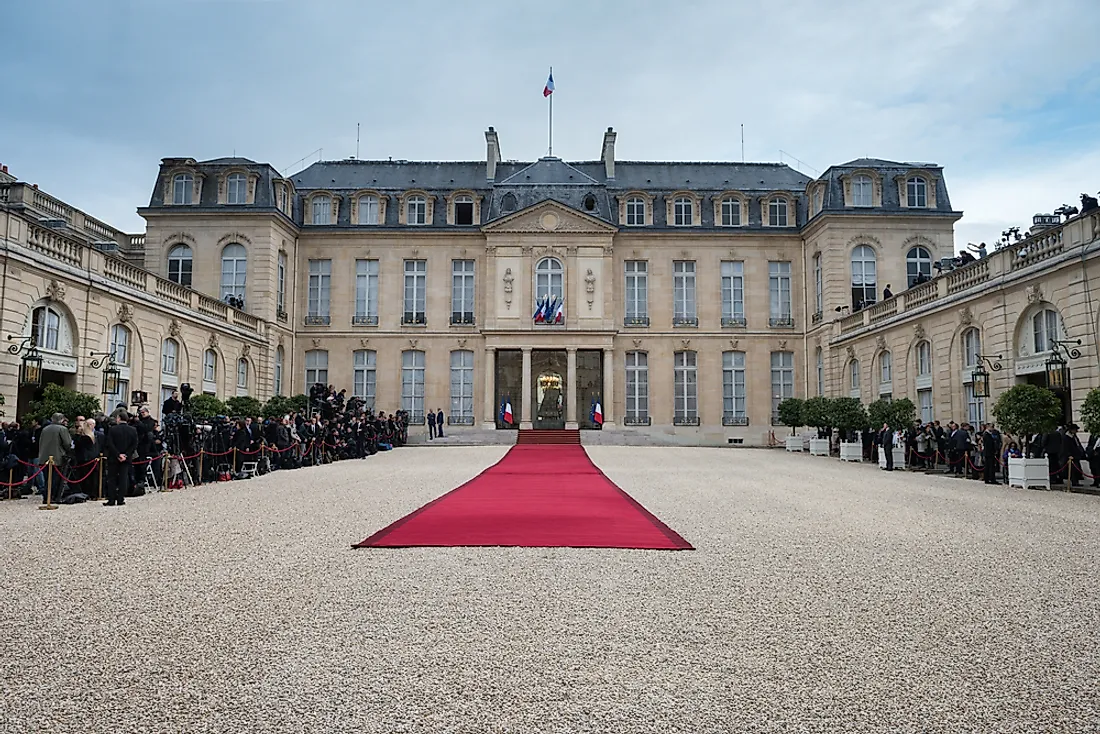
<point x="982" y="452"/>
<point x="126" y="455"/>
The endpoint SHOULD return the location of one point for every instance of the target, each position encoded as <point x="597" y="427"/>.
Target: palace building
<point x="688" y="298"/>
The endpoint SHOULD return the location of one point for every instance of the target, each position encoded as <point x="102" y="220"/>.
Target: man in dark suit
<point x="886" y="443"/>
<point x="1072" y="453"/>
<point x="122" y="443"/>
<point x="990" y="457"/>
<point x="431" y="425"/>
<point x="171" y="405"/>
<point x="439" y="422"/>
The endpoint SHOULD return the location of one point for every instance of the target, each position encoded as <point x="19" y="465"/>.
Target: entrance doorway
<point x="1039" y="379"/>
<point x="548" y="389"/>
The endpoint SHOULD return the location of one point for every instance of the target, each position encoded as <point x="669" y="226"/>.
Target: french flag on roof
<point x="549" y="88"/>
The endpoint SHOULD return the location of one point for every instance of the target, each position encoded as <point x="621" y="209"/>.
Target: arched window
<point x="210" y="366"/>
<point x="278" y="386"/>
<point x="683" y="211"/>
<point x="549" y="279"/>
<point x="368" y="209"/>
<point x="885" y="369"/>
<point x="234" y="268"/>
<point x="635" y="211"/>
<point x="731" y="212"/>
<point x="120" y="344"/>
<point x="316" y="368"/>
<point x="46" y="327"/>
<point x="862" y="190"/>
<point x="1046" y="327"/>
<point x="322" y="209"/>
<point x="182" y="188"/>
<point x="242" y="374"/>
<point x="853" y="377"/>
<point x="169" y="357"/>
<point x="589" y="203"/>
<point x="777" y="212"/>
<point x="236" y="188"/>
<point x="924" y="359"/>
<point x="918" y="265"/>
<point x="179" y="265"/>
<point x="972" y="347"/>
<point x="509" y="203"/>
<point x="864" y="277"/>
<point x="416" y="210"/>
<point x="916" y="192"/>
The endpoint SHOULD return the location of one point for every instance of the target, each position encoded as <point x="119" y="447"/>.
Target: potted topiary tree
<point x="1023" y="411"/>
<point x="848" y="415"/>
<point x="815" y="414"/>
<point x="1090" y="418"/>
<point x="790" y="414"/>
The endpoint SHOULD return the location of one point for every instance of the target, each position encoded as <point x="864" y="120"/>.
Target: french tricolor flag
<point x="506" y="411"/>
<point x="549" y="88"/>
<point x="559" y="313"/>
<point x="597" y="413"/>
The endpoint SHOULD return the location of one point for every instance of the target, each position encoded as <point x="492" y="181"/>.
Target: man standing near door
<point x="439" y="422"/>
<point x="122" y="443"/>
<point x="431" y="425"/>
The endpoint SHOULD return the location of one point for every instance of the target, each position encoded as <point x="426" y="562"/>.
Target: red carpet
<point x="536" y="496"/>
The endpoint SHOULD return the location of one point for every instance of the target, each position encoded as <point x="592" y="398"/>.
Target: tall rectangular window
<point x="731" y="212"/>
<point x="322" y="209"/>
<point x="462" y="387"/>
<point x="278" y="381"/>
<point x="368" y="209"/>
<point x="635" y="212"/>
<point x="366" y="292"/>
<point x="975" y="406"/>
<point x="637" y="293"/>
<point x="462" y="291"/>
<point x="685" y="401"/>
<point x="363" y="376"/>
<point x="637" y="388"/>
<point x="209" y="366"/>
<point x="733" y="293"/>
<point x="416" y="210"/>
<point x="779" y="291"/>
<point x="819" y="289"/>
<point x="820" y="372"/>
<point x="464" y="210"/>
<point x="733" y="389"/>
<point x="320" y="285"/>
<point x="683" y="293"/>
<point x="777" y="213"/>
<point x="412" y="385"/>
<point x="683" y="212"/>
<point x="280" y="284"/>
<point x="416" y="281"/>
<point x="924" y="402"/>
<point x="782" y="380"/>
<point x="316" y="368"/>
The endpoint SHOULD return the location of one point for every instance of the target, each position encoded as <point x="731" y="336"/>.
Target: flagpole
<point x="550" y="152"/>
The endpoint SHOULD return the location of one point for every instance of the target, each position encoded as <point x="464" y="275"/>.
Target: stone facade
<point x="693" y="296"/>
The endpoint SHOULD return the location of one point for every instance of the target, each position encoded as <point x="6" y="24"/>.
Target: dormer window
<point x="236" y="189"/>
<point x="683" y="211"/>
<point x="777" y="212"/>
<point x="635" y="211"/>
<point x="916" y="190"/>
<point x="182" y="188"/>
<point x="416" y="210"/>
<point x="464" y="210"/>
<point x="322" y="209"/>
<point x="862" y="190"/>
<point x="368" y="209"/>
<point x="731" y="212"/>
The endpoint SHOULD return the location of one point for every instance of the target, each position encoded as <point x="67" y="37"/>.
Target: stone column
<point x="571" y="388"/>
<point x="525" y="399"/>
<point x="488" y="417"/>
<point x="608" y="398"/>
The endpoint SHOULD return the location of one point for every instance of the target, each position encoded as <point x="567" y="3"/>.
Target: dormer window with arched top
<point x="236" y="189"/>
<point x="416" y="210"/>
<point x="916" y="192"/>
<point x="863" y="190"/>
<point x="321" y="206"/>
<point x="778" y="212"/>
<point x="683" y="211"/>
<point x="635" y="211"/>
<point x="183" y="186"/>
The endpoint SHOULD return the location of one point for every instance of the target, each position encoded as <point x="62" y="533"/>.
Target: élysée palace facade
<point x="694" y="296"/>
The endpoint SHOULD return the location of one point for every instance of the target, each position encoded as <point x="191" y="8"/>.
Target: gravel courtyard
<point x="822" y="597"/>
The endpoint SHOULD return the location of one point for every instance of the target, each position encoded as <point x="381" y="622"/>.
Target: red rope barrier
<point x="25" y="480"/>
<point x="57" y="470"/>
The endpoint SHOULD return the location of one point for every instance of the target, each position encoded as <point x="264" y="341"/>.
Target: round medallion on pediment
<point x="549" y="221"/>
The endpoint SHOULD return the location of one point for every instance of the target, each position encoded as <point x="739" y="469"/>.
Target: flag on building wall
<point x="540" y="311"/>
<point x="559" y="313"/>
<point x="597" y="413"/>
<point x="549" y="88"/>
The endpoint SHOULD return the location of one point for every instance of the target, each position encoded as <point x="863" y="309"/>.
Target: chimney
<point x="492" y="154"/>
<point x="608" y="154"/>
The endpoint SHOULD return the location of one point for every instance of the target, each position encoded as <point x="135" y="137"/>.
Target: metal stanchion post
<point x="202" y="453"/>
<point x="49" y="486"/>
<point x="99" y="461"/>
<point x="234" y="467"/>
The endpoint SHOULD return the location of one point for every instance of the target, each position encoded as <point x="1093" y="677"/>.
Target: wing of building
<point x="688" y="298"/>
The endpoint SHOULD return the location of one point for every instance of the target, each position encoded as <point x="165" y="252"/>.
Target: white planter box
<point x="794" y="443"/>
<point x="899" y="457"/>
<point x="851" y="451"/>
<point x="1029" y="473"/>
<point x="819" y="447"/>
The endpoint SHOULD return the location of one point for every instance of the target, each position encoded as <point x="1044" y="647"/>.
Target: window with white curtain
<point x="637" y="388"/>
<point x="635" y="211"/>
<point x="975" y="406"/>
<point x="733" y="293"/>
<point x="820" y="372"/>
<point x="549" y="279"/>
<point x="180" y="264"/>
<point x="924" y="359"/>
<point x="169" y="354"/>
<point x="777" y="213"/>
<point x="280" y="284"/>
<point x="364" y="363"/>
<point x="209" y="366"/>
<point x="637" y="293"/>
<point x="972" y="347"/>
<point x="462" y="291"/>
<point x="278" y="383"/>
<point x="320" y="291"/>
<point x="242" y="374"/>
<point x="733" y="388"/>
<point x="416" y="210"/>
<point x="819" y="286"/>
<point x="412" y="385"/>
<point x="322" y="209"/>
<point x="462" y="387"/>
<point x="416" y="294"/>
<point x="316" y="368"/>
<point x="916" y="189"/>
<point x="779" y="293"/>
<point x="853" y="377"/>
<point x="683" y="293"/>
<point x="782" y="380"/>
<point x="683" y="211"/>
<point x="885" y="368"/>
<point x="236" y="189"/>
<point x="862" y="190"/>
<point x="120" y="344"/>
<point x="234" y="270"/>
<point x="366" y="292"/>
<point x="685" y="389"/>
<point x="731" y="212"/>
<point x="182" y="188"/>
<point x="924" y="402"/>
<point x="368" y="209"/>
<point x="1046" y="328"/>
<point x="864" y="277"/>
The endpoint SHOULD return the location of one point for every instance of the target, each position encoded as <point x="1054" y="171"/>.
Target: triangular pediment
<point x="548" y="217"/>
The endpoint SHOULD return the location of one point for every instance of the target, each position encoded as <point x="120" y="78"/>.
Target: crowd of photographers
<point x="126" y="454"/>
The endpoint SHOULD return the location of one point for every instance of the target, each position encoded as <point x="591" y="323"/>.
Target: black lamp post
<point x="106" y="360"/>
<point x="1056" y="364"/>
<point x="30" y="371"/>
<point x="980" y="375"/>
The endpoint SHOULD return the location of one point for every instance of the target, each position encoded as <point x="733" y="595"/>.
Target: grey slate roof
<point x="888" y="170"/>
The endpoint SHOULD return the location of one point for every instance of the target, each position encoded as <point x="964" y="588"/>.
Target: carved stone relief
<point x="880" y="342"/>
<point x="125" y="313"/>
<point x="966" y="316"/>
<point x="509" y="279"/>
<point x="55" y="291"/>
<point x="212" y="342"/>
<point x="1034" y="293"/>
<point x="918" y="331"/>
<point x="590" y="287"/>
<point x="174" y="327"/>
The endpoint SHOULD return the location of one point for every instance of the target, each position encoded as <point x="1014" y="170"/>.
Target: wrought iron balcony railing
<point x="734" y="321"/>
<point x="734" y="420"/>
<point x="317" y="320"/>
<point x="364" y="320"/>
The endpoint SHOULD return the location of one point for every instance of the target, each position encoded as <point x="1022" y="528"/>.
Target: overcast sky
<point x="1005" y="94"/>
